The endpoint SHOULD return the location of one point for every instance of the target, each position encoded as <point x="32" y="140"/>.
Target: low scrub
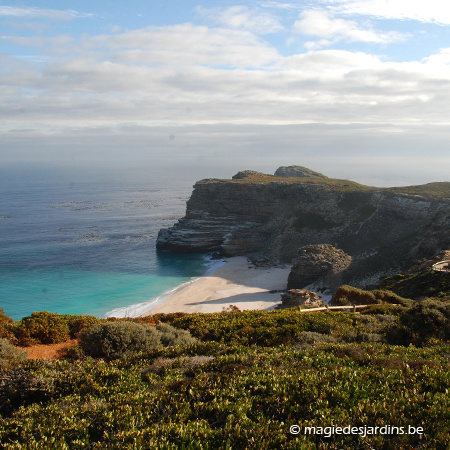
<point x="428" y="320"/>
<point x="243" y="398"/>
<point x="121" y="339"/>
<point x="10" y="356"/>
<point x="349" y="295"/>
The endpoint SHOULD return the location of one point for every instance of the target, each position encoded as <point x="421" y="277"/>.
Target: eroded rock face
<point x="323" y="264"/>
<point x="300" y="297"/>
<point x="384" y="231"/>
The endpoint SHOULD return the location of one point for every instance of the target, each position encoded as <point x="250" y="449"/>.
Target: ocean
<point x="82" y="240"/>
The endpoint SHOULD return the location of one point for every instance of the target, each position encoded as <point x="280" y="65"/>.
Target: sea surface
<point x="82" y="240"/>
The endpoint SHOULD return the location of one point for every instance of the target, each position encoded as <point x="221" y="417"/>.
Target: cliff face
<point x="384" y="230"/>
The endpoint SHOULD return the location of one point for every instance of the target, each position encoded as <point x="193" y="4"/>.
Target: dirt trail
<point x="51" y="351"/>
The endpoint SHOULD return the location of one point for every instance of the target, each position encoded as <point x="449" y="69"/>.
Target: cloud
<point x="242" y="17"/>
<point x="185" y="75"/>
<point x="18" y="12"/>
<point x="435" y="11"/>
<point x="187" y="44"/>
<point x="322" y="24"/>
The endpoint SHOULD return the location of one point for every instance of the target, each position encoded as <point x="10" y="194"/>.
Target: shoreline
<point x="233" y="283"/>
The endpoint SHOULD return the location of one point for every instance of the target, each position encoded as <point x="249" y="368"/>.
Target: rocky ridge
<point x="383" y="230"/>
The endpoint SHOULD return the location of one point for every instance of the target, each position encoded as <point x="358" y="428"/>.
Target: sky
<point x="356" y="89"/>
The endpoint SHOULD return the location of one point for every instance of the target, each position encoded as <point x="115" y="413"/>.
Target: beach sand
<point x="234" y="283"/>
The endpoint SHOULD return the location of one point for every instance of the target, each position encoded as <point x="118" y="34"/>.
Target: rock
<point x="318" y="263"/>
<point x="300" y="297"/>
<point x="296" y="171"/>
<point x="247" y="173"/>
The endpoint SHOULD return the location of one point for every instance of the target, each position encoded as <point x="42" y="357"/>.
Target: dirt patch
<point x="51" y="351"/>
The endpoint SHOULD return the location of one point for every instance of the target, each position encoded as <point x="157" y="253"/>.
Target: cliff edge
<point x="384" y="230"/>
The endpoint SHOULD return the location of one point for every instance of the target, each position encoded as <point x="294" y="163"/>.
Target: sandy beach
<point x="234" y="283"/>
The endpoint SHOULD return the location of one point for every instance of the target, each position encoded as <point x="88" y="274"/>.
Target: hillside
<point x="252" y="380"/>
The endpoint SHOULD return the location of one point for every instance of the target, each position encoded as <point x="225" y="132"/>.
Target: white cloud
<point x="196" y="75"/>
<point x="13" y="11"/>
<point x="242" y="17"/>
<point x="436" y="11"/>
<point x="187" y="44"/>
<point x="322" y="24"/>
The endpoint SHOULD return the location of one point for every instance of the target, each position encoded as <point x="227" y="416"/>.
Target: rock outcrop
<point x="245" y="174"/>
<point x="320" y="264"/>
<point x="297" y="172"/>
<point x="385" y="230"/>
<point x="300" y="297"/>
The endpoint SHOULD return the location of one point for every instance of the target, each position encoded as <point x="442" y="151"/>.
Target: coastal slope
<point x="384" y="230"/>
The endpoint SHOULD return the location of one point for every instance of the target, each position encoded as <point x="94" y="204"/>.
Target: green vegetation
<point x="247" y="378"/>
<point x="4" y="320"/>
<point x="47" y="328"/>
<point x="333" y="183"/>
<point x="425" y="283"/>
<point x="349" y="295"/>
<point x="439" y="190"/>
<point x="113" y="340"/>
<point x="9" y="355"/>
<point x="430" y="190"/>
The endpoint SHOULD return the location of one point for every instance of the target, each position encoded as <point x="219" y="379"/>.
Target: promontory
<point x="383" y="230"/>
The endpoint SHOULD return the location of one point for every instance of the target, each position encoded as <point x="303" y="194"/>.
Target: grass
<point x="438" y="190"/>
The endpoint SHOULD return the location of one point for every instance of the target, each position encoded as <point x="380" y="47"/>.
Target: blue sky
<point x="339" y="85"/>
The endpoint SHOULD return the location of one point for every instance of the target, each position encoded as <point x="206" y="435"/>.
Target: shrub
<point x="4" y="319"/>
<point x="384" y="309"/>
<point x="79" y="323"/>
<point x="428" y="319"/>
<point x="10" y="355"/>
<point x="113" y="340"/>
<point x="40" y="328"/>
<point x="174" y="336"/>
<point x="391" y="297"/>
<point x="121" y="339"/>
<point x="349" y="295"/>
<point x="309" y="339"/>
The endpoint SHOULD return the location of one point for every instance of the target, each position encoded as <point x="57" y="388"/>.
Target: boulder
<point x="300" y="297"/>
<point x="321" y="264"/>
<point x="247" y="173"/>
<point x="297" y="171"/>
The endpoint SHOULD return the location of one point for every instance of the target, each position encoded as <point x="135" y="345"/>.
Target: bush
<point x="79" y="323"/>
<point x="428" y="319"/>
<point x="4" y="319"/>
<point x="309" y="339"/>
<point x="174" y="336"/>
<point x="121" y="339"/>
<point x="113" y="340"/>
<point x="40" y="328"/>
<point x="349" y="295"/>
<point x="391" y="297"/>
<point x="387" y="309"/>
<point x="10" y="355"/>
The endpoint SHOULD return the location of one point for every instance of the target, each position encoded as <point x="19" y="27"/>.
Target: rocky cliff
<point x="384" y="230"/>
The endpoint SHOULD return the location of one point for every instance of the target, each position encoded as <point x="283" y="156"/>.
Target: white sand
<point x="231" y="284"/>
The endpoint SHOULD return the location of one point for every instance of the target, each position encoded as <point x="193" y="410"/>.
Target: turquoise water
<point x="83" y="240"/>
